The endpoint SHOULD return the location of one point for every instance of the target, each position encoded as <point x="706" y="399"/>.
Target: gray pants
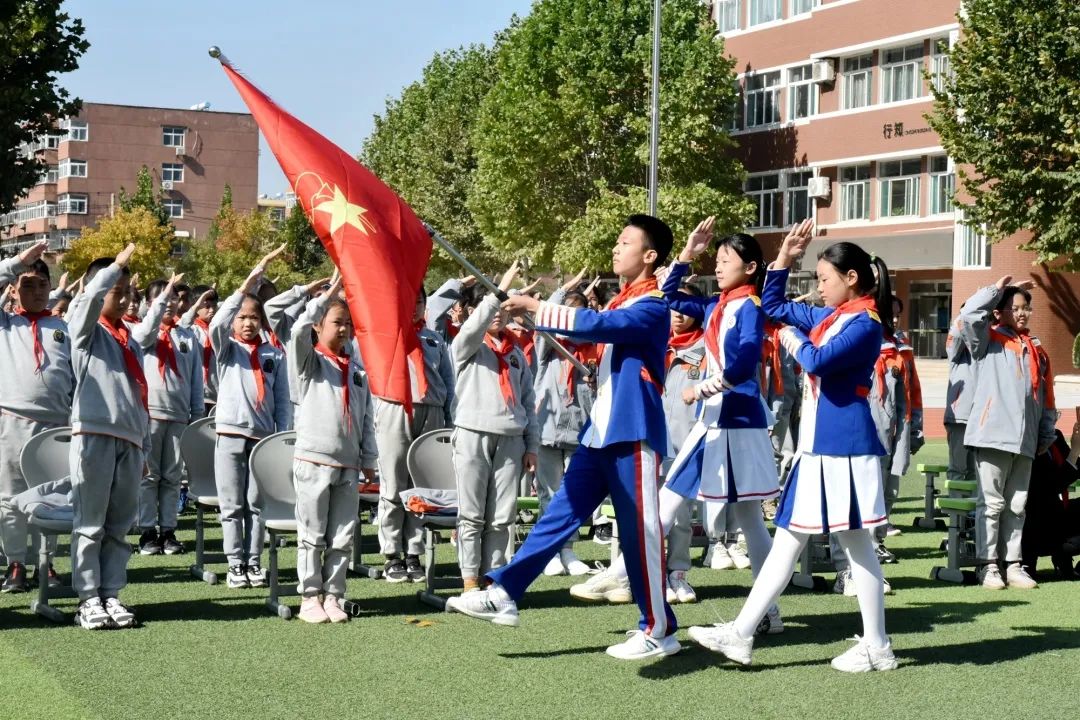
<point x="961" y="457"/>
<point x="487" y="467"/>
<point x="999" y="507"/>
<point x="159" y="491"/>
<point x="326" y="508"/>
<point x="891" y="488"/>
<point x="14" y="432"/>
<point x="242" y="530"/>
<point x="394" y="433"/>
<point x="551" y="465"/>
<point x="679" y="534"/>
<point x="105" y="474"/>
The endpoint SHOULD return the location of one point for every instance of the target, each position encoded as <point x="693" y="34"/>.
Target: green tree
<point x="153" y="243"/>
<point x="39" y="42"/>
<point x="1010" y="117"/>
<point x="562" y="137"/>
<point x="238" y="241"/>
<point x="422" y="147"/>
<point x="147" y="198"/>
<point x="304" y="247"/>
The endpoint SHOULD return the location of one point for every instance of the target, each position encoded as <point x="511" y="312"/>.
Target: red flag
<point x="372" y="235"/>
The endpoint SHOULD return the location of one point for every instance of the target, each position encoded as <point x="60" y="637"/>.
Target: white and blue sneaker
<point x="641" y="646"/>
<point x="493" y="605"/>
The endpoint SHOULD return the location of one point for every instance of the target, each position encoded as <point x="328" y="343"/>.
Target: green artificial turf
<point x="211" y="652"/>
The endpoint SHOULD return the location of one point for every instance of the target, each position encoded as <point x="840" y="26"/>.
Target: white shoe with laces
<point x="603" y="587"/>
<point x="863" y="658"/>
<point x="493" y="605"/>
<point x="91" y="615"/>
<point x="640" y="646"/>
<point x="121" y="617"/>
<point x="725" y="640"/>
<point x="737" y="552"/>
<point x="678" y="589"/>
<point x="720" y="559"/>
<point x="574" y="567"/>
<point x="554" y="567"/>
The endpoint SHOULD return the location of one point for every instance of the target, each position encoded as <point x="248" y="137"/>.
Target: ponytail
<point x="872" y="273"/>
<point x="883" y="295"/>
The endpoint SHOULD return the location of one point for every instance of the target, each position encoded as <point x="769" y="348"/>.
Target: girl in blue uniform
<point x="835" y="485"/>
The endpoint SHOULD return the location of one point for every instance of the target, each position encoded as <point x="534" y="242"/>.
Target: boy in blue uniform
<point x="618" y="451"/>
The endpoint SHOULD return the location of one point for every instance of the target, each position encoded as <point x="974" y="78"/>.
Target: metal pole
<point x="482" y="279"/>
<point x="654" y="130"/>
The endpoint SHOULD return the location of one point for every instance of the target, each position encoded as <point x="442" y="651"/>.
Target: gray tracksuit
<point x="330" y="451"/>
<point x="686" y="371"/>
<point x="206" y="353"/>
<point x="438" y="307"/>
<point x="111" y="433"/>
<point x="489" y="443"/>
<point x="242" y="422"/>
<point x="395" y="432"/>
<point x="283" y="309"/>
<point x="1007" y="425"/>
<point x="958" y="404"/>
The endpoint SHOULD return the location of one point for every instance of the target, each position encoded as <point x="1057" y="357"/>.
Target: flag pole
<point x="483" y="280"/>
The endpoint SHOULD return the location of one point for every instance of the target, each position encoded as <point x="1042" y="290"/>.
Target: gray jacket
<point x="283" y="309"/>
<point x="438" y="307"/>
<point x="208" y="361"/>
<point x="176" y="397"/>
<point x="439" y="372"/>
<point x="686" y="371"/>
<point x="961" y="376"/>
<point x="559" y="415"/>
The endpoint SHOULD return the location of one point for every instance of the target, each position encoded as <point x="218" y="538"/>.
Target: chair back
<point x="197" y="449"/>
<point x="430" y="461"/>
<point x="46" y="456"/>
<point x="271" y="470"/>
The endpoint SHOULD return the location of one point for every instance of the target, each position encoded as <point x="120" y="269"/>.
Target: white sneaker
<point x="724" y="640"/>
<point x="574" y="567"/>
<point x="639" y="646"/>
<point x="720" y="560"/>
<point x="892" y="531"/>
<point x="493" y="605"/>
<point x="256" y="576"/>
<point x="1017" y="577"/>
<point x="679" y="589"/>
<point x="120" y="615"/>
<point x="990" y="577"/>
<point x="737" y="552"/>
<point x="554" y="567"/>
<point x="863" y="658"/>
<point x="91" y="615"/>
<point x="772" y="623"/>
<point x="603" y="587"/>
<point x="845" y="584"/>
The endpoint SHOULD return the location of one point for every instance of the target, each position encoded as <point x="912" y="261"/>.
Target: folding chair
<point x="931" y="517"/>
<point x="271" y="470"/>
<point x="197" y="448"/>
<point x="45" y="458"/>
<point x="430" y="461"/>
<point x="960" y="542"/>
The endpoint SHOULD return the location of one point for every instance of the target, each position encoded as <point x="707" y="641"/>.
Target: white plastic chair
<point x="197" y="449"/>
<point x="430" y="461"/>
<point x="271" y="470"/>
<point x="46" y="458"/>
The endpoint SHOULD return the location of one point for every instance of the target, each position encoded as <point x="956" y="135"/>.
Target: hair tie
<point x="873" y="257"/>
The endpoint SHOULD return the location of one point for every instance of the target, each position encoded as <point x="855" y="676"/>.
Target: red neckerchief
<point x="342" y="362"/>
<point x="524" y="339"/>
<point x="890" y="359"/>
<point x="120" y="334"/>
<point x="274" y="340"/>
<point x="452" y="329"/>
<point x="911" y="374"/>
<point x="584" y="353"/>
<point x="39" y="349"/>
<point x="681" y="341"/>
<point x="630" y="292"/>
<point x="416" y="358"/>
<point x="207" y="349"/>
<point x="129" y="318"/>
<point x="770" y="356"/>
<point x="502" y="350"/>
<point x="712" y="326"/>
<point x="166" y="354"/>
<point x="1036" y="355"/>
<point x="864" y="303"/>
<point x="256" y="368"/>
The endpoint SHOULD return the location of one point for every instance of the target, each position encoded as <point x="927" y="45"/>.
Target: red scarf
<point x="524" y="339"/>
<point x="166" y="354"/>
<point x="120" y="334"/>
<point x="817" y="333"/>
<point x="416" y="358"/>
<point x="256" y="369"/>
<point x="274" y="340"/>
<point x="891" y="359"/>
<point x="770" y="356"/>
<point x="1036" y="356"/>
<point x="129" y="318"/>
<point x="681" y="341"/>
<point x="207" y="349"/>
<point x="502" y="350"/>
<point x="629" y="292"/>
<point x="39" y="349"/>
<point x="584" y="353"/>
<point x="712" y="326"/>
<point x="342" y="362"/>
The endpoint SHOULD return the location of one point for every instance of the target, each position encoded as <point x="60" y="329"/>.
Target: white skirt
<point x="827" y="493"/>
<point x="724" y="465"/>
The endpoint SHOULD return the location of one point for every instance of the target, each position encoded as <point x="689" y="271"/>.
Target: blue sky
<point x="332" y="63"/>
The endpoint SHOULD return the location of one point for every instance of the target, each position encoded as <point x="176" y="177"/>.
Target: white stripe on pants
<point x="487" y="467"/>
<point x="159" y="491"/>
<point x="14" y="432"/>
<point x="105" y="474"/>
<point x="394" y="433"/>
<point x="999" y="506"/>
<point x="242" y="528"/>
<point x="326" y="508"/>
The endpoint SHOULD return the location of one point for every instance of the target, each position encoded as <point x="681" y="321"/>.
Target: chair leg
<point x="427" y="595"/>
<point x="357" y="565"/>
<point x="40" y="605"/>
<point x="198" y="570"/>
<point x="273" y="603"/>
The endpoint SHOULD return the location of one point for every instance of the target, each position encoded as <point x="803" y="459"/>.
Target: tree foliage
<point x="147" y="198"/>
<point x="39" y="42"/>
<point x="153" y="243"/>
<point x="303" y="244"/>
<point x="1010" y="117"/>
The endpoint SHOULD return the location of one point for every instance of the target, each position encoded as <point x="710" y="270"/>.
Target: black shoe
<point x="169" y="544"/>
<point x="414" y="569"/>
<point x="394" y="571"/>
<point x="53" y="578"/>
<point x="15" y="579"/>
<point x="1064" y="567"/>
<point x="602" y="534"/>
<point x="149" y="543"/>
<point x="884" y="556"/>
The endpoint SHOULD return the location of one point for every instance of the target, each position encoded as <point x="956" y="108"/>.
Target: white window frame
<point x="765" y="11"/>
<point x="768" y="96"/>
<point x="76" y="130"/>
<point x="942" y="185"/>
<point x="169" y="134"/>
<point x="855" y="193"/>
<point x="174" y="207"/>
<point x="728" y="16"/>
<point x="853" y="100"/>
<point x="72" y="204"/>
<point x="791" y="190"/>
<point x="805" y="85"/>
<point x="940" y="64"/>
<point x="802" y="7"/>
<point x="71" y="167"/>
<point x="907" y="69"/>
<point x="912" y="180"/>
<point x="971" y="246"/>
<point x="50" y="176"/>
<point x="173" y="172"/>
<point x="763" y="197"/>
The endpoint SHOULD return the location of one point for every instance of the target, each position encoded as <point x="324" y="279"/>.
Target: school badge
<point x="183" y="347"/>
<point x="693" y="373"/>
<point x="58" y="336"/>
<point x="514" y="363"/>
<point x="357" y="380"/>
<point x="268" y="365"/>
<point x="431" y="342"/>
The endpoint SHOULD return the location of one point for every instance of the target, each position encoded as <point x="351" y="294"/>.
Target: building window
<point x="727" y="15"/>
<point x="172" y="136"/>
<point x="71" y="204"/>
<point x="763" y="99"/>
<point x="763" y="11"/>
<point x="29" y="211"/>
<point x="77" y="131"/>
<point x="173" y="172"/>
<point x="940" y="67"/>
<point x="72" y="168"/>
<point x="942" y="185"/>
<point x="858" y="79"/>
<point x="802" y="92"/>
<point x="972" y="247"/>
<point x="901" y="73"/>
<point x="899" y="185"/>
<point x="50" y="176"/>
<point x="764" y="192"/>
<point x="855" y="192"/>
<point x="797" y="197"/>
<point x="175" y="208"/>
<point x="800" y="7"/>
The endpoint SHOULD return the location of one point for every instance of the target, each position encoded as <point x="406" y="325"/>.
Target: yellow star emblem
<point x="343" y="212"/>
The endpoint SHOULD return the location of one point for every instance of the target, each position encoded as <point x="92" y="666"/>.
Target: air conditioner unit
<point x="166" y="184"/>
<point x="824" y="71"/>
<point x="181" y="151"/>
<point x="818" y="187"/>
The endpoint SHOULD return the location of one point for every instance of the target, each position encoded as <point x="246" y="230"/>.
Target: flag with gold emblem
<point x="372" y="235"/>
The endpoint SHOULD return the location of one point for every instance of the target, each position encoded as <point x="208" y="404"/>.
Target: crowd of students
<point x="729" y="404"/>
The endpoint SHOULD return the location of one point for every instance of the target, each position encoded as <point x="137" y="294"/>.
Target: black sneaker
<point x="414" y="569"/>
<point x="169" y="544"/>
<point x="394" y="571"/>
<point x="54" y="578"/>
<point x="149" y="543"/>
<point x="884" y="556"/>
<point x="602" y="534"/>
<point x="237" y="577"/>
<point x="15" y="579"/>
